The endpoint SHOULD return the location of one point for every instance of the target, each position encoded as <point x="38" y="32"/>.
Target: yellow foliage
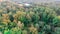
<point x="31" y="13"/>
<point x="58" y="17"/>
<point x="15" y="29"/>
<point x="5" y="16"/>
<point x="24" y="32"/>
<point x="28" y="16"/>
<point x="5" y="20"/>
<point x="1" y="11"/>
<point x="33" y="29"/>
<point x="5" y="23"/>
<point x="20" y="13"/>
<point x="20" y="25"/>
<point x="15" y="20"/>
<point x="15" y="16"/>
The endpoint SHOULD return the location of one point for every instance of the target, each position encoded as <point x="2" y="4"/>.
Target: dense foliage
<point x="25" y="20"/>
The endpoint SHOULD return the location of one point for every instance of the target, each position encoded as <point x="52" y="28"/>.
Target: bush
<point x="56" y="21"/>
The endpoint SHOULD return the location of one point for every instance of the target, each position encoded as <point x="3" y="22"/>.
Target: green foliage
<point x="56" y="21"/>
<point x="13" y="31"/>
<point x="7" y="32"/>
<point x="23" y="19"/>
<point x="57" y="30"/>
<point x="24" y="32"/>
<point x="48" y="15"/>
<point x="34" y="20"/>
<point x="11" y="25"/>
<point x="16" y="31"/>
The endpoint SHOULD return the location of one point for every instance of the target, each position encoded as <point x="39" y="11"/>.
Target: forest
<point x="29" y="20"/>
